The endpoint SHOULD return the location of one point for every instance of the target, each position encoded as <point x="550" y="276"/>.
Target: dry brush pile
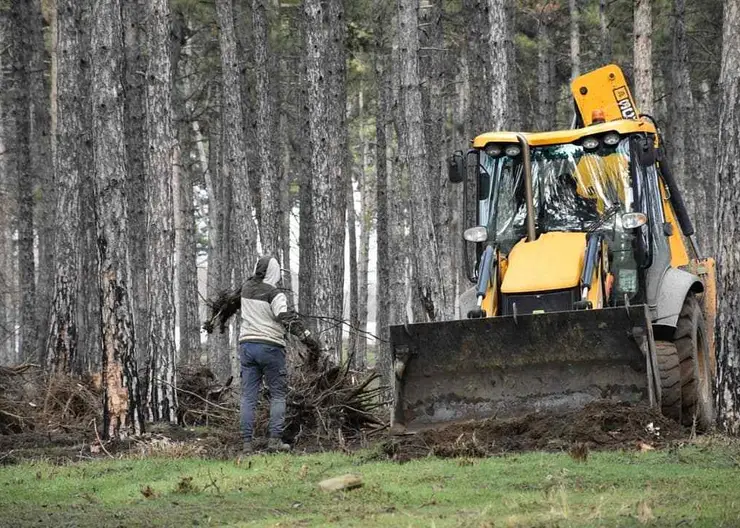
<point x="33" y="402"/>
<point x="327" y="404"/>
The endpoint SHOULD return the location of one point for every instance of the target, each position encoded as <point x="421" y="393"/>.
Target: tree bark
<point x="575" y="40"/>
<point x="88" y="309"/>
<point x="268" y="172"/>
<point x="62" y="337"/>
<point x="545" y="119"/>
<point x="135" y="65"/>
<point x="489" y="54"/>
<point x="327" y="132"/>
<point x="499" y="61"/>
<point x="704" y="147"/>
<point x="478" y="74"/>
<point x="727" y="227"/>
<point x="427" y="269"/>
<point x="160" y="270"/>
<point x="42" y="165"/>
<point x="682" y="145"/>
<point x="354" y="294"/>
<point x="8" y="199"/>
<point x="122" y="403"/>
<point x="434" y="81"/>
<point x="383" y="294"/>
<point x="21" y="46"/>
<point x="189" y="140"/>
<point x="643" y="56"/>
<point x="218" y="246"/>
<point x="234" y="158"/>
<point x="606" y="39"/>
<point x="367" y="211"/>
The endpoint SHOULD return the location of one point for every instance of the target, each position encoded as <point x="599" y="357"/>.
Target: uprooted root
<point x="203" y="400"/>
<point x="327" y="405"/>
<point x="332" y="404"/>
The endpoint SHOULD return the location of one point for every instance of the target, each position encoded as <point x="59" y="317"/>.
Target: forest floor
<point x="605" y="465"/>
<point x="687" y="484"/>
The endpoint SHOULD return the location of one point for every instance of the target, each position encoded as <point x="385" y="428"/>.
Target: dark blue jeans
<point x="258" y="360"/>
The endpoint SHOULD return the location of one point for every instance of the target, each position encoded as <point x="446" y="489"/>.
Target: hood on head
<point x="268" y="270"/>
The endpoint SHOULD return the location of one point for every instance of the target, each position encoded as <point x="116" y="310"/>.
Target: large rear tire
<point x="669" y="368"/>
<point x="691" y="343"/>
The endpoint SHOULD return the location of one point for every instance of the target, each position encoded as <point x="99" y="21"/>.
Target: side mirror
<point x="456" y="167"/>
<point x="646" y="151"/>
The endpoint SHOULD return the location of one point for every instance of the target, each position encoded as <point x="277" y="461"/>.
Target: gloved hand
<point x="312" y="343"/>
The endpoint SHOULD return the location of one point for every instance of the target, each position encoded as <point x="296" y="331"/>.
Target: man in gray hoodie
<point x="265" y="318"/>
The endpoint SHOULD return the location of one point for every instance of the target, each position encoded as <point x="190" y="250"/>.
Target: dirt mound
<point x="600" y="425"/>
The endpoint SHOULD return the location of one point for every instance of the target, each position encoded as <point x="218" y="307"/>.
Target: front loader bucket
<point x="506" y="366"/>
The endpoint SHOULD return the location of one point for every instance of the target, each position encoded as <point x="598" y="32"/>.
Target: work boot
<point x="277" y="445"/>
<point x="247" y="447"/>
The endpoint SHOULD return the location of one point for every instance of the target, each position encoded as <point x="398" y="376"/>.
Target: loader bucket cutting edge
<point x="505" y="366"/>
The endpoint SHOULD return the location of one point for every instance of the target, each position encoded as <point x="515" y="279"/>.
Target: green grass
<point x="696" y="485"/>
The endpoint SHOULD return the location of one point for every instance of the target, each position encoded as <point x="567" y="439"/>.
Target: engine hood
<point x="552" y="262"/>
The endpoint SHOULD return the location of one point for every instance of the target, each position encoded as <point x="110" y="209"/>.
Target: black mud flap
<point x="505" y="366"/>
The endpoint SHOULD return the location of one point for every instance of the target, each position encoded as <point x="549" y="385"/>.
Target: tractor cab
<point x="596" y="186"/>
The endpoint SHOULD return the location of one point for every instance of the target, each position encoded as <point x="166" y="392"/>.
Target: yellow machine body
<point x="508" y="362"/>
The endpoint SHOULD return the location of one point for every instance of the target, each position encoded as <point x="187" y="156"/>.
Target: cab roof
<point x="557" y="137"/>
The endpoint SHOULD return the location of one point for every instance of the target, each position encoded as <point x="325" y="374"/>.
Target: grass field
<point x="694" y="485"/>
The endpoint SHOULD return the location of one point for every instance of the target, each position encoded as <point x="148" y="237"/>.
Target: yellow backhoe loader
<point x="589" y="283"/>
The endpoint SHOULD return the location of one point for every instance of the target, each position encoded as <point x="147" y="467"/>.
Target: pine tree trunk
<point x="8" y="199"/>
<point x="21" y="118"/>
<point x="575" y="40"/>
<point x="327" y="133"/>
<point x="427" y="277"/>
<point x="367" y="210"/>
<point x="489" y="53"/>
<point x="606" y="39"/>
<point x="434" y="81"/>
<point x="160" y="338"/>
<point x="135" y="44"/>
<point x="643" y="56"/>
<point x="477" y="58"/>
<point x="122" y="403"/>
<point x="727" y="227"/>
<point x="383" y="294"/>
<point x="545" y="104"/>
<point x="504" y="109"/>
<point x="270" y="196"/>
<point x="292" y="121"/>
<point x="88" y="308"/>
<point x="704" y="147"/>
<point x="234" y="156"/>
<point x="189" y="139"/>
<point x="42" y="167"/>
<point x="219" y="275"/>
<point x="62" y="345"/>
<point x="682" y="147"/>
<point x="245" y="51"/>
<point x="354" y="295"/>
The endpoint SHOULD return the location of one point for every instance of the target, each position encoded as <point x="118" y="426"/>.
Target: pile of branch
<point x="326" y="403"/>
<point x="29" y="401"/>
<point x="14" y="409"/>
<point x="331" y="404"/>
<point x="203" y="400"/>
<point x="226" y="304"/>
